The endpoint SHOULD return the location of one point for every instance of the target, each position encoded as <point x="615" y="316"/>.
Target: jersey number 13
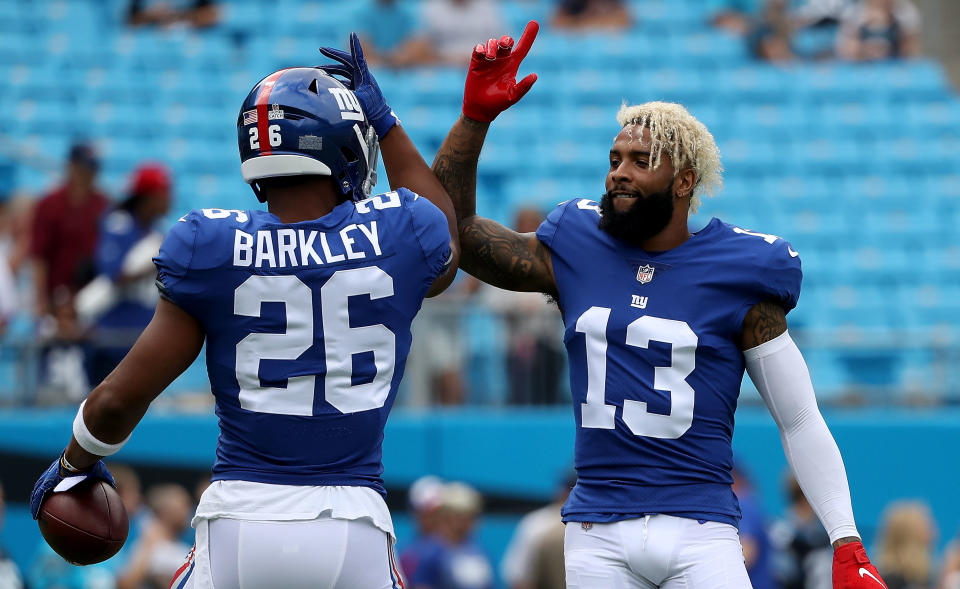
<point x="595" y="413"/>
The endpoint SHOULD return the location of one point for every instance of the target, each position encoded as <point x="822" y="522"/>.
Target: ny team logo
<point x="645" y="274"/>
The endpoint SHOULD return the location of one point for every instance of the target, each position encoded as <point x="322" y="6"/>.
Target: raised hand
<point x="56" y="479"/>
<point x="491" y="86"/>
<point x="852" y="569"/>
<point x="354" y="68"/>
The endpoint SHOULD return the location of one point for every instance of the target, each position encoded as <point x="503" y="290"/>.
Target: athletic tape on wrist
<point x="88" y="442"/>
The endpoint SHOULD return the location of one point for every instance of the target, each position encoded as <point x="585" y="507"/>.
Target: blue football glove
<point x="361" y="81"/>
<point x="55" y="480"/>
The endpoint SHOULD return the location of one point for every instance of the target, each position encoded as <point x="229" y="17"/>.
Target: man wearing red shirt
<point x="65" y="230"/>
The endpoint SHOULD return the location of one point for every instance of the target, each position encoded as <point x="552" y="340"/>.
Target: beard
<point x="646" y="217"/>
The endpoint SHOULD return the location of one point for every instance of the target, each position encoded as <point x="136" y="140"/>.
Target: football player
<point x="305" y="309"/>
<point x="660" y="325"/>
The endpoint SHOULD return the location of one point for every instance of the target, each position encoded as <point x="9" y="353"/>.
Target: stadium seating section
<point x="857" y="165"/>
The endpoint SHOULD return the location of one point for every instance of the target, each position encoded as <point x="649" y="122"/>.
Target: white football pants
<point x="324" y="553"/>
<point x="654" y="551"/>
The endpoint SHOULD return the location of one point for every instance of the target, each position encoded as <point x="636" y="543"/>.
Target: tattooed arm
<point x="488" y="250"/>
<point x="764" y="321"/>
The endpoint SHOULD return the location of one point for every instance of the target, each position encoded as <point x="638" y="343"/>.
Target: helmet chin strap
<point x="256" y="190"/>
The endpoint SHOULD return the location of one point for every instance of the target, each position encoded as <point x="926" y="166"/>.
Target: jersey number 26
<point x="341" y="342"/>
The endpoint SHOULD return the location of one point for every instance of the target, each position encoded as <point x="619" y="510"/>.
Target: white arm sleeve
<point x="780" y="374"/>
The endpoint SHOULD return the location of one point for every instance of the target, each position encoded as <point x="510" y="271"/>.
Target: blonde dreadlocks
<point x="688" y="142"/>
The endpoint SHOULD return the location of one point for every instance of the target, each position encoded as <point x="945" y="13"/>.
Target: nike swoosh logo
<point x="864" y="571"/>
<point x="793" y="254"/>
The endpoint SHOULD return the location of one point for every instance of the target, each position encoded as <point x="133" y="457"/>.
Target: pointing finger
<point x="526" y="40"/>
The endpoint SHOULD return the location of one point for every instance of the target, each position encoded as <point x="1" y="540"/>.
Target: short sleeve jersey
<point x="655" y="369"/>
<point x="307" y="329"/>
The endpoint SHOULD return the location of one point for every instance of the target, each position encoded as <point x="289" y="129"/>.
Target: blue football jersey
<point x="655" y="369"/>
<point x="307" y="329"/>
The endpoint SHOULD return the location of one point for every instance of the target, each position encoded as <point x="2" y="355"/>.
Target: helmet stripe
<point x="262" y="119"/>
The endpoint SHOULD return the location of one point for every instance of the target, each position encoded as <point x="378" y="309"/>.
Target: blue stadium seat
<point x="913" y="80"/>
<point x="518" y="14"/>
<point x="833" y="156"/>
<point x="934" y="117"/>
<point x="771" y="120"/>
<point x="676" y="14"/>
<point x="854" y="119"/>
<point x="831" y="82"/>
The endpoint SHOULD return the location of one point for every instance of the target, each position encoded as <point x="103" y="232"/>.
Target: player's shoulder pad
<point x="772" y="262"/>
<point x="577" y="210"/>
<point x="392" y="202"/>
<point x="428" y="223"/>
<point x="190" y="242"/>
<point x="176" y="253"/>
<point x="216" y="231"/>
<point x="177" y="249"/>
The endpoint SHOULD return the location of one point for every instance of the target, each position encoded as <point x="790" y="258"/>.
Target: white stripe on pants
<point x="654" y="551"/>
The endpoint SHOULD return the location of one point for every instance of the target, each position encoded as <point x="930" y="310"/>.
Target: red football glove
<point x="491" y="86"/>
<point x="852" y="569"/>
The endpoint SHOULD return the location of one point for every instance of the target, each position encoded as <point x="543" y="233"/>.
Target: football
<point x="86" y="524"/>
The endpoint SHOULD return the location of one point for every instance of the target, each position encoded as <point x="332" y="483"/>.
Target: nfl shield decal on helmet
<point x="645" y="274"/>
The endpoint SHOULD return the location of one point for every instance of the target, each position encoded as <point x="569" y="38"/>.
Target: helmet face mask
<point x="301" y="121"/>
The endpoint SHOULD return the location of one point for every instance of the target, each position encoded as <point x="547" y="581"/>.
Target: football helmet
<point x="300" y="121"/>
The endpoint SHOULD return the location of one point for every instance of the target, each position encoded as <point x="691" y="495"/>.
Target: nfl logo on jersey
<point x="645" y="274"/>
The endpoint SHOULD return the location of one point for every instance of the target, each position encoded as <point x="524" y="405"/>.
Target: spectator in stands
<point x="8" y="286"/>
<point x="159" y="551"/>
<point x="804" y="556"/>
<point x="121" y="300"/>
<point x="388" y="32"/>
<point x="9" y="573"/>
<point x="735" y="16"/>
<point x="49" y="571"/>
<point x="753" y="533"/>
<point x="425" y="497"/>
<point x="906" y="546"/>
<point x="821" y="12"/>
<point x="451" y="28"/>
<point x="63" y="355"/>
<point x="534" y="557"/>
<point x="65" y="230"/>
<point x="535" y="354"/>
<point x="458" y="563"/>
<point x="131" y="493"/>
<point x="591" y="15"/>
<point x="197" y="13"/>
<point x="16" y="224"/>
<point x="439" y="344"/>
<point x="771" y="34"/>
<point x="880" y="29"/>
<point x="950" y="573"/>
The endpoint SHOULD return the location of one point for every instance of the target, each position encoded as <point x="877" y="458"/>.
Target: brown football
<point x="86" y="524"/>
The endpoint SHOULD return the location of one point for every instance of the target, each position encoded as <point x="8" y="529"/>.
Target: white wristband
<point x="88" y="442"/>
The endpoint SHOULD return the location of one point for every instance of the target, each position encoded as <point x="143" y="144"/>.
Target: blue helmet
<point x="302" y="121"/>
